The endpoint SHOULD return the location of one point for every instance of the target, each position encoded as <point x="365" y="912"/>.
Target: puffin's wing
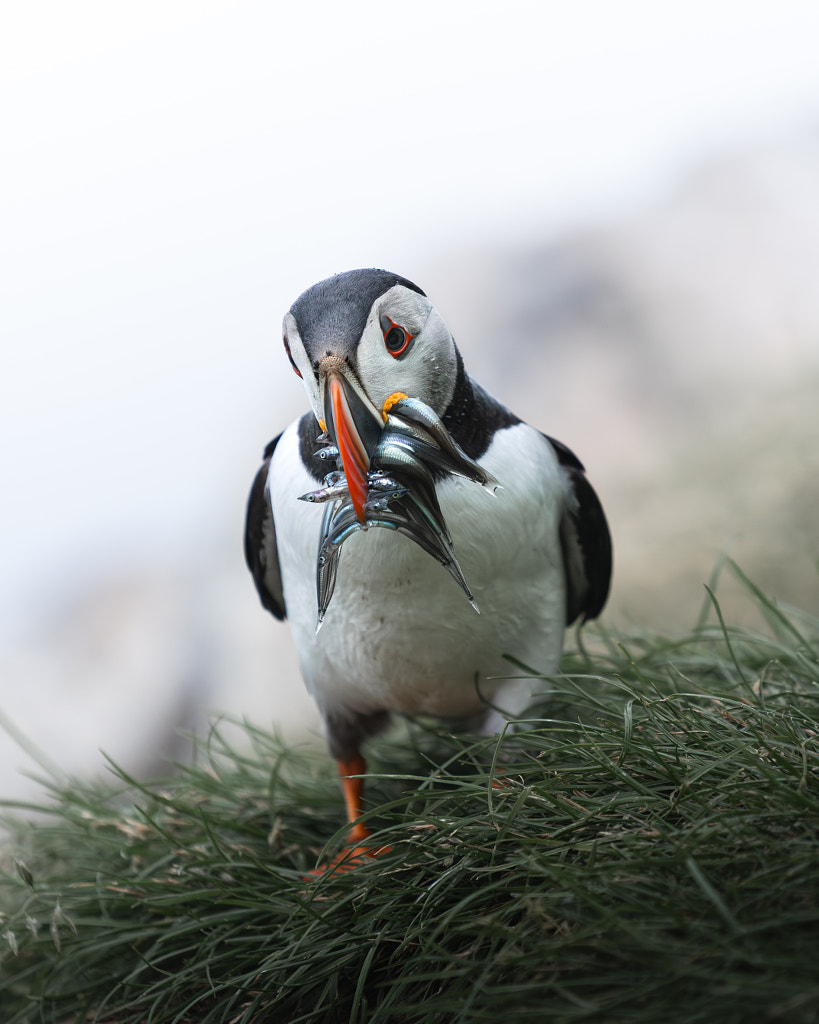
<point x="261" y="554"/>
<point x="585" y="540"/>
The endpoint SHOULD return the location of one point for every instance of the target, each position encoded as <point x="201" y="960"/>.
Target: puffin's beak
<point x="354" y="424"/>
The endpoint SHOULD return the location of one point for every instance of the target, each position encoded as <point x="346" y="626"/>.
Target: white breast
<point x="399" y="634"/>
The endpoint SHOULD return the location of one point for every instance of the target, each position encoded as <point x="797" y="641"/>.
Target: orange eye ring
<point x="396" y="339"/>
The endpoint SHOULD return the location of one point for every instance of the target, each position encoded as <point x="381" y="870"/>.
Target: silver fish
<point x="328" y="452"/>
<point x="401" y="496"/>
<point x="326" y="493"/>
<point x="420" y="414"/>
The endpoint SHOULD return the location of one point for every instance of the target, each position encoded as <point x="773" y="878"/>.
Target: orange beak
<point x="351" y="448"/>
<point x="355" y="426"/>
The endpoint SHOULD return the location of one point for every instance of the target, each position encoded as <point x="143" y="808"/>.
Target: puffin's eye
<point x="396" y="338"/>
<point x="290" y="356"/>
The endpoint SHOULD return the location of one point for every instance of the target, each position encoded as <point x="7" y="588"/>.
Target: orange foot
<point x="358" y="852"/>
<point x="348" y="860"/>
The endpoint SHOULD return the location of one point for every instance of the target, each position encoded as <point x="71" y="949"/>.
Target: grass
<point x="649" y="854"/>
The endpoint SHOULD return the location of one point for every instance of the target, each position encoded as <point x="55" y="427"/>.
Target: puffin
<point x="414" y="531"/>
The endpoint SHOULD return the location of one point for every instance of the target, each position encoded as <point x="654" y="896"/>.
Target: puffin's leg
<point x="345" y="733"/>
<point x="353" y="789"/>
<point x="358" y="847"/>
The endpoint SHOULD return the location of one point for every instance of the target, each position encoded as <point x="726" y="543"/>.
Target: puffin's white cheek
<point x="313" y="396"/>
<point x="386" y="379"/>
<point x="435" y="377"/>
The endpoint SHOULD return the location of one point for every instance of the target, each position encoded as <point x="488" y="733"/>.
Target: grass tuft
<point x="646" y="849"/>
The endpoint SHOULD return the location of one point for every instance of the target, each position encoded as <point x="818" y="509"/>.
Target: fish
<point x="413" y="446"/>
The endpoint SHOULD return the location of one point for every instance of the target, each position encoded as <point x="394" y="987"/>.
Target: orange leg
<point x="353" y="789"/>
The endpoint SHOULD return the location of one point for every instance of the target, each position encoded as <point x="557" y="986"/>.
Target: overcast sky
<point x="175" y="173"/>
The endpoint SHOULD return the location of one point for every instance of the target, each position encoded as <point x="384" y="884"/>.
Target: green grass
<point x="650" y="855"/>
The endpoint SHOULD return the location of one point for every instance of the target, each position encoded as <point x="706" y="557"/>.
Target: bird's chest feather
<point x="399" y="634"/>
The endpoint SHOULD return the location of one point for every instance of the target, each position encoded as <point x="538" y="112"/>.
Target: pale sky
<point x="175" y="173"/>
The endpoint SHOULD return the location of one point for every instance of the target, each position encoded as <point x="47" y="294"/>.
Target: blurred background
<point x="614" y="206"/>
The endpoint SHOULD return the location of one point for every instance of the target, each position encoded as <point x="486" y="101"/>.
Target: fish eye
<point x="396" y="339"/>
<point x="290" y="356"/>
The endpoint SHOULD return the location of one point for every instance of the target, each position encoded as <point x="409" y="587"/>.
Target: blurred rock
<point x="677" y="352"/>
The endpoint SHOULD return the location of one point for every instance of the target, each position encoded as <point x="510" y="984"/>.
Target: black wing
<point x="261" y="554"/>
<point x="585" y="540"/>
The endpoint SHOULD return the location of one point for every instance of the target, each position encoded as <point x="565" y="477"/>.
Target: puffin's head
<point x="360" y="341"/>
